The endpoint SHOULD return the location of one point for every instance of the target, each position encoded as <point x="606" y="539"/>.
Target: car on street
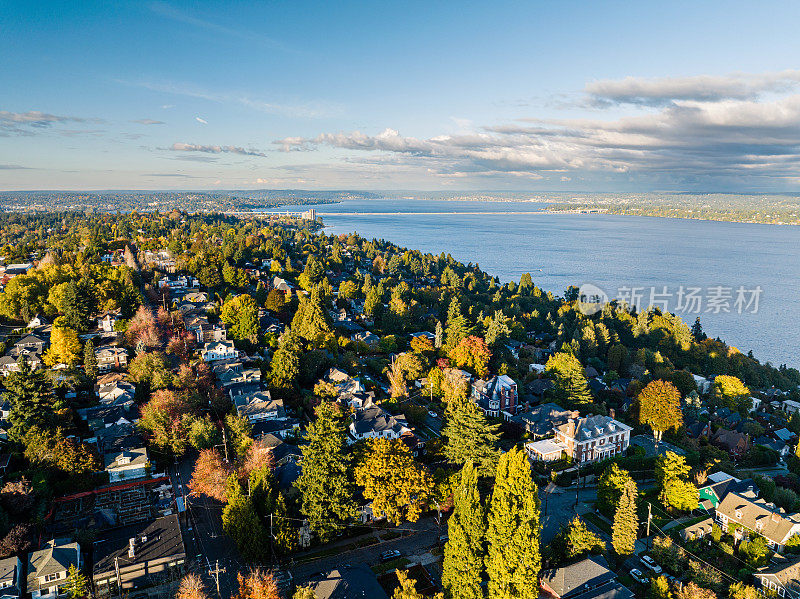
<point x="390" y="555"/>
<point x="432" y="414"/>
<point x="638" y="576"/>
<point x="649" y="562"/>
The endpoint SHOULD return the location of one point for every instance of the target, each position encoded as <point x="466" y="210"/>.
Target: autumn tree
<point x="473" y="354"/>
<point x="325" y="485"/>
<point x="462" y="569"/>
<point x="672" y="480"/>
<point x="513" y="557"/>
<point x="407" y="588"/>
<point x="151" y="370"/>
<point x="399" y="487"/>
<point x="76" y="585"/>
<point x="470" y="438"/>
<point x="191" y="587"/>
<point x="692" y="591"/>
<point x="240" y="313"/>
<point x="258" y="584"/>
<point x="731" y="392"/>
<point x="660" y="407"/>
<point x="166" y="419"/>
<point x="210" y="475"/>
<point x="65" y="347"/>
<point x="626" y="521"/>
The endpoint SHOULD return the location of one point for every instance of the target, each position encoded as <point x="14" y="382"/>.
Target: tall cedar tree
<point x="470" y="438"/>
<point x="32" y="401"/>
<point x="89" y="361"/>
<point x="626" y="521"/>
<point x="241" y="523"/>
<point x="660" y="407"/>
<point x="610" y="488"/>
<point x="284" y="528"/>
<point x="310" y="322"/>
<point x="285" y="365"/>
<point x="513" y="557"/>
<point x="462" y="570"/>
<point x="325" y="485"/>
<point x="569" y="382"/>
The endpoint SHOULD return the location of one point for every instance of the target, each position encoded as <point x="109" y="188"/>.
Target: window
<point x="51" y="577"/>
<point x="739" y="514"/>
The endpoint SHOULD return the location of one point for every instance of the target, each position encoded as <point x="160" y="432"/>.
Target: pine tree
<point x="77" y="585"/>
<point x="32" y="401"/>
<point x="284" y="528"/>
<point x="285" y="365"/>
<point x="470" y="438"/>
<point x="241" y="523"/>
<point x="325" y="485"/>
<point x="310" y="322"/>
<point x="89" y="361"/>
<point x="570" y="387"/>
<point x="438" y="334"/>
<point x="513" y="558"/>
<point x="464" y="552"/>
<point x="626" y="521"/>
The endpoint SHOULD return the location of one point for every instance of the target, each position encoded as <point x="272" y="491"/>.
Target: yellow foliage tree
<point x="65" y="347"/>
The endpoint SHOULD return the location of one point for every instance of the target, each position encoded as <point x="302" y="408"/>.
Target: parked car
<point x="432" y="414"/>
<point x="443" y="539"/>
<point x="639" y="577"/>
<point x="649" y="562"/>
<point x="387" y="556"/>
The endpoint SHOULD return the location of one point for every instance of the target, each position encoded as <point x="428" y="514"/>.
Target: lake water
<point x="612" y="252"/>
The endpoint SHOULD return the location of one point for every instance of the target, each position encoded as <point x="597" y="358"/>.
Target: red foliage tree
<point x="257" y="585"/>
<point x="210" y="475"/>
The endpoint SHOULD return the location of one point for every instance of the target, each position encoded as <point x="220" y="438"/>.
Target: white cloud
<point x="25" y="123"/>
<point x="199" y="120"/>
<point x="148" y="122"/>
<point x="210" y="149"/>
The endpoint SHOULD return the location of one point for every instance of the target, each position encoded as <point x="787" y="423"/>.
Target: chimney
<point x="612" y="413"/>
<point x="131" y="546"/>
<point x="571" y="428"/>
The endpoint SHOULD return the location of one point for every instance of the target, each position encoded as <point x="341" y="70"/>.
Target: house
<point x="540" y="421"/>
<point x="103" y="416"/>
<point x="498" y="394"/>
<point x="30" y="344"/>
<point x="111" y="358"/>
<point x="698" y="530"/>
<point x="107" y="320"/>
<point x="48" y="567"/>
<point x="589" y="578"/>
<point x="126" y="465"/>
<point x="219" y="350"/>
<point x="282" y="452"/>
<point x="204" y="331"/>
<point x="282" y="285"/>
<point x="593" y="438"/>
<point x="10" y="583"/>
<point x="791" y="407"/>
<point x="375" y="422"/>
<point x="279" y="427"/>
<point x="118" y="393"/>
<point x="545" y="450"/>
<point x="351" y="391"/>
<point x="118" y="438"/>
<point x="148" y="557"/>
<point x="366" y="337"/>
<point x="9" y="364"/>
<point x="259" y="406"/>
<point x="781" y="578"/>
<point x="736" y="512"/>
<point x="703" y="384"/>
<point x="733" y="442"/>
<point x="37" y="321"/>
<point x="698" y="428"/>
<point x="715" y="491"/>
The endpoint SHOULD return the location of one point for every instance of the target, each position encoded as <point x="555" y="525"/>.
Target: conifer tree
<point x="285" y="365"/>
<point x="464" y="552"/>
<point x="570" y="387"/>
<point x="310" y="322"/>
<point x="284" y="528"/>
<point x="325" y="485"/>
<point x="470" y="438"/>
<point x="438" y="334"/>
<point x="626" y="521"/>
<point x="32" y="401"/>
<point x="513" y="557"/>
<point x="89" y="361"/>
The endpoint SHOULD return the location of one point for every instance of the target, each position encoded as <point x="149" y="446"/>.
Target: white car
<point x="649" y="562"/>
<point x="638" y="576"/>
<point x="432" y="414"/>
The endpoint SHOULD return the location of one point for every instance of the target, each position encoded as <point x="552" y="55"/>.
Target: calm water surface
<point x="611" y="252"/>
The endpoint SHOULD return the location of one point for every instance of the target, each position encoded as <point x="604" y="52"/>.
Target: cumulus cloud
<point x="208" y="149"/>
<point x="704" y="88"/>
<point x="25" y="123"/>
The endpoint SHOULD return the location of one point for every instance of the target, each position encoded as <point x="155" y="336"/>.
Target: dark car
<point x="387" y="556"/>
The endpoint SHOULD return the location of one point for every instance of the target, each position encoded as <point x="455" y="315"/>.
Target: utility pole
<point x="649" y="517"/>
<point x="215" y="573"/>
<point x="225" y="442"/>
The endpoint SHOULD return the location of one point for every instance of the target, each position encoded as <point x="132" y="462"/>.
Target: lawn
<point x="400" y="562"/>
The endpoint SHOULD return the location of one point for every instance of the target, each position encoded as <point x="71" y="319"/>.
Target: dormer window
<point x="739" y="514"/>
<point x="759" y="526"/>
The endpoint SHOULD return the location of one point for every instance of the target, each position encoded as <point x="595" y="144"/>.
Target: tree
<point x="660" y="407"/>
<point x="470" y="438"/>
<point x="257" y="585"/>
<point x="675" y="490"/>
<point x="407" y="588"/>
<point x="697" y="331"/>
<point x="462" y="569"/>
<point x="241" y="522"/>
<point x="399" y="487"/>
<point x="457" y="326"/>
<point x="18" y="540"/>
<point x="310" y="322"/>
<point x="284" y="528"/>
<point x="513" y="557"/>
<point x="740" y="590"/>
<point x="210" y="475"/>
<point x="626" y="521"/>
<point x="241" y="315"/>
<point x="150" y="369"/>
<point x="65" y="347"/>
<point x="575" y="540"/>
<point x="569" y="383"/>
<point x="203" y="433"/>
<point x="239" y="435"/>
<point x="30" y="394"/>
<point x="52" y="449"/>
<point x="76" y="585"/>
<point x="659" y="588"/>
<point x="497" y="329"/>
<point x="473" y="354"/>
<point x="304" y="593"/>
<point x="325" y="485"/>
<point x="692" y="591"/>
<point x="438" y="335"/>
<point x="731" y="392"/>
<point x="285" y="365"/>
<point x="89" y="361"/>
<point x="755" y="551"/>
<point x="191" y="587"/>
<point x="610" y="487"/>
<point x="166" y="419"/>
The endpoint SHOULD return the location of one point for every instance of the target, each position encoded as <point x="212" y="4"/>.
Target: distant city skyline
<point x="538" y="96"/>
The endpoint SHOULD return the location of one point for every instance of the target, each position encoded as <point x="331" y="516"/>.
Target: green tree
<point x="30" y="394"/>
<point x="497" y="329"/>
<point x="660" y="407"/>
<point x="575" y="540"/>
<point x="89" y="361"/>
<point x="740" y="590"/>
<point x="239" y="435"/>
<point x="457" y="326"/>
<point x="513" y="557"/>
<point x="310" y="322"/>
<point x="570" y="387"/>
<point x="626" y="521"/>
<point x="284" y="528"/>
<point x="76" y="585"/>
<point x="241" y="315"/>
<point x="304" y="593"/>
<point x="462" y="569"/>
<point x="672" y="480"/>
<point x="325" y="484"/>
<point x="610" y="487"/>
<point x="150" y="369"/>
<point x="470" y="438"/>
<point x="407" y="588"/>
<point x="241" y="522"/>
<point x="659" y="588"/>
<point x="285" y="365"/>
<point x="731" y="392"/>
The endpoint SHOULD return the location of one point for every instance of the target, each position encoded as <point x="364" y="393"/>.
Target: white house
<point x="48" y="568"/>
<point x="126" y="465"/>
<point x="545" y="450"/>
<point x="219" y="350"/>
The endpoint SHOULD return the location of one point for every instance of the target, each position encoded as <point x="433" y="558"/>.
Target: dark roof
<point x="163" y="536"/>
<point x="610" y="590"/>
<point x="57" y="556"/>
<point x="578" y="578"/>
<point x="358" y="581"/>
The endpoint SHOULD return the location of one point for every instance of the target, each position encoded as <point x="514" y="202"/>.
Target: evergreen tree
<point x="438" y="334"/>
<point x="76" y="585"/>
<point x="569" y="382"/>
<point x="610" y="487"/>
<point x="285" y="365"/>
<point x="513" y="557"/>
<point x="464" y="552"/>
<point x="470" y="438"/>
<point x="284" y="528"/>
<point x="498" y="328"/>
<point x="32" y="401"/>
<point x="310" y="322"/>
<point x="626" y="521"/>
<point x="241" y="522"/>
<point x="697" y="331"/>
<point x="325" y="485"/>
<point x="89" y="361"/>
<point x="457" y="326"/>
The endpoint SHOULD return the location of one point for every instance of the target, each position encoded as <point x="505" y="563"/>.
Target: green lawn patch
<point x="400" y="562"/>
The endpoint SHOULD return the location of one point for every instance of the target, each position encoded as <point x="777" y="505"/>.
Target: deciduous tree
<point x="240" y="313"/>
<point x="473" y="354"/>
<point x="659" y="406"/>
<point x="610" y="487"/>
<point x="210" y="475"/>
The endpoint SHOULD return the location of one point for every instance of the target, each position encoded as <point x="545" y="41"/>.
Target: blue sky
<point x="606" y="96"/>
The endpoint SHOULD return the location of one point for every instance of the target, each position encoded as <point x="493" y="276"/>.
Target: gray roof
<point x="163" y="540"/>
<point x="57" y="556"/>
<point x="577" y="578"/>
<point x="786" y="572"/>
<point x="610" y="590"/>
<point x="8" y="568"/>
<point x="376" y="419"/>
<point x="775" y="525"/>
<point x="137" y="457"/>
<point x="541" y="419"/>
